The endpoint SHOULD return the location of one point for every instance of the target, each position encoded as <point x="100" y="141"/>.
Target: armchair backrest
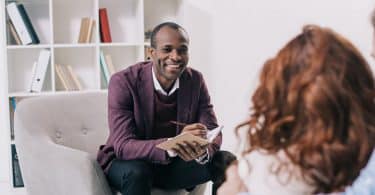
<point x="77" y="120"/>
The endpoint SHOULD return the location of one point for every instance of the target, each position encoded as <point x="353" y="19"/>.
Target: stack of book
<point x="20" y="25"/>
<point x="67" y="77"/>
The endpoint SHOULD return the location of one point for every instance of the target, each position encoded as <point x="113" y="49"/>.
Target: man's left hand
<point x="189" y="151"/>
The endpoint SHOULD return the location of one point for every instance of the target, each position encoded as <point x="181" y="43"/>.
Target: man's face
<point x="171" y="55"/>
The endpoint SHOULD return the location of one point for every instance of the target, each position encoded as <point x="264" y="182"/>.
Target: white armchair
<point x="57" y="138"/>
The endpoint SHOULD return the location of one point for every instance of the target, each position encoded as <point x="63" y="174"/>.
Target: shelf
<point x="120" y="44"/>
<point x="20" y="66"/>
<point x="39" y="46"/>
<point x="45" y="93"/>
<point x="74" y="45"/>
<point x="84" y="62"/>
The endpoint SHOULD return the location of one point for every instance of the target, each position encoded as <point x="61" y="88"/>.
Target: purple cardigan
<point x="131" y="114"/>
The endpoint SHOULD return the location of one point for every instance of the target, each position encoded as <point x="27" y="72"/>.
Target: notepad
<point x="190" y="138"/>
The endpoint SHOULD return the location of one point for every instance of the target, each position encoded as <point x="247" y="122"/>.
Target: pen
<point x="178" y="123"/>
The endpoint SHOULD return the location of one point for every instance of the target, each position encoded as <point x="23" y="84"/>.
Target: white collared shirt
<point x="158" y="87"/>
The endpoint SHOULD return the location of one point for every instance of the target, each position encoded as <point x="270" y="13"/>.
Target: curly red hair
<point x="316" y="102"/>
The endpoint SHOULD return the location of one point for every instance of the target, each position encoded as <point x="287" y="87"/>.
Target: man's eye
<point x="166" y="50"/>
<point x="183" y="50"/>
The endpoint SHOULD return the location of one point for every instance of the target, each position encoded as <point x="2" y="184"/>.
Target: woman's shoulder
<point x="265" y="173"/>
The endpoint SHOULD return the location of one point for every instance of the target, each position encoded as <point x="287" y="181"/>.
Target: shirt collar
<point x="158" y="87"/>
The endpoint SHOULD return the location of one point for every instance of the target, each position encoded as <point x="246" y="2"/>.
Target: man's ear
<point x="152" y="51"/>
<point x="148" y="53"/>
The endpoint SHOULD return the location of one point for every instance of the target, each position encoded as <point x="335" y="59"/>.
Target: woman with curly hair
<point x="312" y="123"/>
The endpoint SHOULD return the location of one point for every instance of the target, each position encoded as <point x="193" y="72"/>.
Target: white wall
<point x="246" y="32"/>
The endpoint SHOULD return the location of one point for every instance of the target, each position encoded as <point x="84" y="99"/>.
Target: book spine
<point x="19" y="24"/>
<point x="74" y="77"/>
<point x="12" y="108"/>
<point x="111" y="67"/>
<point x="33" y="74"/>
<point x="83" y="30"/>
<point x="61" y="76"/>
<point x="105" y="33"/>
<point x="29" y="25"/>
<point x="68" y="78"/>
<point x="16" y="169"/>
<point x="40" y="72"/>
<point x="13" y="31"/>
<point x="90" y="30"/>
<point x="104" y="67"/>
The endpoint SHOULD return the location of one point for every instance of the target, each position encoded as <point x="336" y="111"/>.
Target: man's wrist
<point x="204" y="158"/>
<point x="171" y="153"/>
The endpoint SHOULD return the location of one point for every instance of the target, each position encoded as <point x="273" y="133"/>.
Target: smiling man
<point x="145" y="102"/>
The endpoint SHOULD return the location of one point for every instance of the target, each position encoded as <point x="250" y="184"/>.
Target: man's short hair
<point x="170" y="25"/>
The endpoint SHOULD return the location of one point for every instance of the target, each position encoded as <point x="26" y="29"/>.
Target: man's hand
<point x="189" y="151"/>
<point x="233" y="183"/>
<point x="197" y="129"/>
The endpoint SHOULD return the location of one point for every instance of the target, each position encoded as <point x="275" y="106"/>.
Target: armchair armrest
<point x="60" y="170"/>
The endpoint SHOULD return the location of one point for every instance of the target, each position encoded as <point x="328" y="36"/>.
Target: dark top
<point x="165" y="111"/>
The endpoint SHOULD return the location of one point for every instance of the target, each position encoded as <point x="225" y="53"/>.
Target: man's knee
<point x="219" y="163"/>
<point x="138" y="174"/>
<point x="130" y="175"/>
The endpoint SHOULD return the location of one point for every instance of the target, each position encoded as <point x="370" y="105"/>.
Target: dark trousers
<point x="136" y="177"/>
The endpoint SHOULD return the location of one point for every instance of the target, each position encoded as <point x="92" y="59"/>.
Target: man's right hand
<point x="197" y="129"/>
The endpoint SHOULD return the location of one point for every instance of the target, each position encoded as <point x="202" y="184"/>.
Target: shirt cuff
<point x="204" y="158"/>
<point x="170" y="153"/>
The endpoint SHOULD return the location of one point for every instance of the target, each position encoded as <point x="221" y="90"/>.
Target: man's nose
<point x="174" y="55"/>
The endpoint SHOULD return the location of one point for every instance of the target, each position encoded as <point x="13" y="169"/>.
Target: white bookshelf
<point x="57" y="24"/>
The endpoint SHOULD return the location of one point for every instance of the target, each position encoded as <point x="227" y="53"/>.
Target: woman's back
<point x="315" y="105"/>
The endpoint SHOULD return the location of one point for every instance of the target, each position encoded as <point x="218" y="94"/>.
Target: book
<point x="61" y="77"/>
<point x="86" y="30"/>
<point x="190" y="138"/>
<point x="39" y="72"/>
<point x="16" y="169"/>
<point x="29" y="25"/>
<point x="89" y="31"/>
<point x="12" y="108"/>
<point x="67" y="77"/>
<point x="73" y="75"/>
<point x="105" y="32"/>
<point x="104" y="68"/>
<point x="19" y="24"/>
<point x="22" y="23"/>
<point x="111" y="67"/>
<point x="14" y="34"/>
